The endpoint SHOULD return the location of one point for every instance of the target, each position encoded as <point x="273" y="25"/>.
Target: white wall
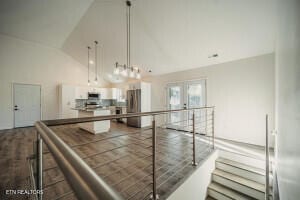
<point x="242" y="91"/>
<point x="195" y="187"/>
<point x="26" y="62"/>
<point x="288" y="98"/>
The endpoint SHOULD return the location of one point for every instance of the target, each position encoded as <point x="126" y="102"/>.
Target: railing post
<point x="213" y="128"/>
<point x="194" y="140"/>
<point x="39" y="166"/>
<point x="267" y="160"/>
<point x="154" y="194"/>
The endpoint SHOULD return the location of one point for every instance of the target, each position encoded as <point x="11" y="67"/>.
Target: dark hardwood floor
<point x="122" y="157"/>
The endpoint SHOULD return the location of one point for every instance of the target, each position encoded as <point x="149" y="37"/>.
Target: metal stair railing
<point x="84" y="181"/>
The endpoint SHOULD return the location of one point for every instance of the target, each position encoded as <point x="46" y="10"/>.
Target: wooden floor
<point x="122" y="157"/>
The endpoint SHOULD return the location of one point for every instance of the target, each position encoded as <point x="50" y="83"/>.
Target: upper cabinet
<point x="81" y="92"/>
<point x="67" y="98"/>
<point x="105" y="93"/>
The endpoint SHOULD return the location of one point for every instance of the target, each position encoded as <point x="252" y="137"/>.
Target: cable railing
<point x="85" y="181"/>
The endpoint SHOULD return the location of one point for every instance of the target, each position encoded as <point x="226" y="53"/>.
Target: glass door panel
<point x="175" y="101"/>
<point x="190" y="94"/>
<point x="196" y="97"/>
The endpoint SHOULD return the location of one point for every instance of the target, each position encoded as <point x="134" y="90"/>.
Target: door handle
<point x="16" y="109"/>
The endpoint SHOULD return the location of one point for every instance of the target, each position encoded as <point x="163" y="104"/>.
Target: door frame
<point x="184" y="97"/>
<point x="13" y="98"/>
<point x="183" y="82"/>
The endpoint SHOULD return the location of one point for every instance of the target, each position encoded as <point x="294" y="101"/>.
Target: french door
<point x="188" y="94"/>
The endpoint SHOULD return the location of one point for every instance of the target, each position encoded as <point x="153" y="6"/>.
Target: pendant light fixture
<point x="117" y="70"/>
<point x="138" y="74"/>
<point x="134" y="72"/>
<point x="96" y="62"/>
<point x="89" y="48"/>
<point x="131" y="74"/>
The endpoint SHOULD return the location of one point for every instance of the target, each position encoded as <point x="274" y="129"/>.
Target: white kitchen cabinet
<point x="81" y="92"/>
<point x="67" y="95"/>
<point x="107" y="93"/>
<point x="145" y="102"/>
<point x="98" y="126"/>
<point x="103" y="93"/>
<point x="114" y="93"/>
<point x="119" y="94"/>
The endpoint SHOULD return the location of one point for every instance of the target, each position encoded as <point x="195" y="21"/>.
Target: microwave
<point x="94" y="96"/>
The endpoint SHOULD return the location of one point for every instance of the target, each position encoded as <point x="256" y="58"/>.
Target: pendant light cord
<point x="96" y="62"/>
<point x="88" y="63"/>
<point x="128" y="3"/>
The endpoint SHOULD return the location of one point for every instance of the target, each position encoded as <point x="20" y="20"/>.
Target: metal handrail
<point x="83" y="180"/>
<point x="57" y="122"/>
<point x="85" y="183"/>
<point x="267" y="152"/>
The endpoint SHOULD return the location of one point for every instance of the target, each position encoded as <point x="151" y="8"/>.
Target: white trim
<point x="188" y="80"/>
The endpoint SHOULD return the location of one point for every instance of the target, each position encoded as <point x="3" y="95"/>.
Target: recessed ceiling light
<point x="91" y="62"/>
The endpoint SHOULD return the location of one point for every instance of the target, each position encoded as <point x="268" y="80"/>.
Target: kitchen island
<point x="98" y="126"/>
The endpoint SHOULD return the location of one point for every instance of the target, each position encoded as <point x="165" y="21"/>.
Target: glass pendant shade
<point x="117" y="71"/>
<point x="131" y="75"/>
<point x="138" y="75"/>
<point x="125" y="72"/>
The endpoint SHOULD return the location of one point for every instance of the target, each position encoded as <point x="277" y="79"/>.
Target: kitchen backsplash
<point x="103" y="102"/>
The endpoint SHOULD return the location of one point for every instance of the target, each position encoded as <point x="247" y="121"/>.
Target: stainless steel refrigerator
<point x="134" y="106"/>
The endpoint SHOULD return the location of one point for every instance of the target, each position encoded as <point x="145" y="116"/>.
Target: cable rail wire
<point x="140" y="160"/>
<point x="85" y="183"/>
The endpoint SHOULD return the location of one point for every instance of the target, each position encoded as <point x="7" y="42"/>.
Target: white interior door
<point x="27" y="104"/>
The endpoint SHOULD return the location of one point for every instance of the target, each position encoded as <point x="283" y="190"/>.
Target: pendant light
<point x="89" y="48"/>
<point x="134" y="72"/>
<point x="138" y="74"/>
<point x="96" y="62"/>
<point x="125" y="71"/>
<point x="117" y="70"/>
<point x="131" y="74"/>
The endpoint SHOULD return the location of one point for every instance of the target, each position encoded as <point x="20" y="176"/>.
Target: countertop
<point x="90" y="109"/>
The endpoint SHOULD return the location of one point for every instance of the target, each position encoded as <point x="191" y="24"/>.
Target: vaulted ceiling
<point x="167" y="35"/>
<point x="48" y="22"/>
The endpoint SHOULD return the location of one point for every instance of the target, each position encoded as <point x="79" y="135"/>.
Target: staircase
<point x="235" y="180"/>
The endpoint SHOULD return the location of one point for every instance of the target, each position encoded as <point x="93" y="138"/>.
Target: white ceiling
<point x="175" y="35"/>
<point x="167" y="35"/>
<point x="49" y="22"/>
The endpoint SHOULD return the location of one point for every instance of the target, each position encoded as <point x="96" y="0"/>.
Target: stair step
<point x="218" y="191"/>
<point x="245" y="171"/>
<point x="245" y="186"/>
<point x="209" y="198"/>
<point x="242" y="166"/>
<point x="258" y="163"/>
